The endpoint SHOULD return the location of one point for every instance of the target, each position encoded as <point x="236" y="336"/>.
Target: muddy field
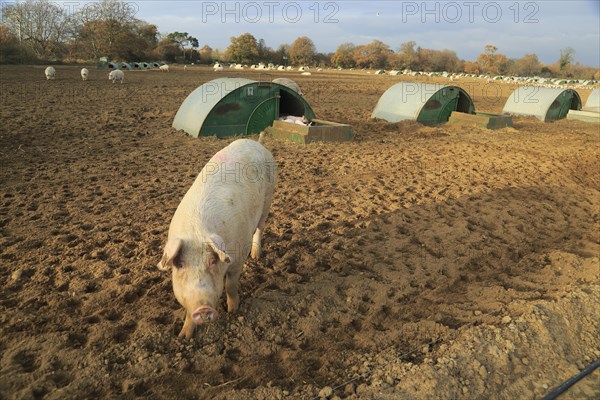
<point x="413" y="263"/>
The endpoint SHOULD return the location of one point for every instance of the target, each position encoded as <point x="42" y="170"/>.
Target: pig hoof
<point x="186" y="332"/>
<point x="188" y="328"/>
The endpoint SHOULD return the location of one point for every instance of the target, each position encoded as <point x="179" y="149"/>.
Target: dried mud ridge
<point x="415" y="262"/>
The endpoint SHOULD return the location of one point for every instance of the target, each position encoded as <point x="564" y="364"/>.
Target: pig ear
<point x="217" y="246"/>
<point x="172" y="254"/>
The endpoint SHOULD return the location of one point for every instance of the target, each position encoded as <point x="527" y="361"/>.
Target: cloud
<point x="516" y="28"/>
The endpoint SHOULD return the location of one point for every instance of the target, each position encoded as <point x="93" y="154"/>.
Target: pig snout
<point x="204" y="314"/>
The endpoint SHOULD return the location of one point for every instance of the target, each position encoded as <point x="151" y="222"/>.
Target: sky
<point x="516" y="28"/>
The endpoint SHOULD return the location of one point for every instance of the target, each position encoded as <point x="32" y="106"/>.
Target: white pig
<point x="50" y="73"/>
<point x="116" y="75"/>
<point x="219" y="221"/>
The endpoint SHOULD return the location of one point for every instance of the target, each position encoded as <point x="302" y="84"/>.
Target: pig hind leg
<point x="256" y="242"/>
<point x="232" y="285"/>
<point x="257" y="238"/>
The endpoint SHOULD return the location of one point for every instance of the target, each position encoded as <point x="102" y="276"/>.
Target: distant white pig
<point x="84" y="74"/>
<point x="295" y="120"/>
<point x="116" y="75"/>
<point x="219" y="221"/>
<point x="50" y="73"/>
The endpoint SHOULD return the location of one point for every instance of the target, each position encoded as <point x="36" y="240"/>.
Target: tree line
<point x="41" y="31"/>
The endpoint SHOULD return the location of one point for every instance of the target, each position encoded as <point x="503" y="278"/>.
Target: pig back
<point x="228" y="197"/>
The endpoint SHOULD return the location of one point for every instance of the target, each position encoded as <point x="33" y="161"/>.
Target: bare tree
<point x="100" y="24"/>
<point x="566" y="58"/>
<point x="408" y="57"/>
<point x="39" y="25"/>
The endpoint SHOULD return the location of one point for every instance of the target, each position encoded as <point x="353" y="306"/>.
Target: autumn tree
<point x="166" y="51"/>
<point x="344" y="56"/>
<point x="528" y="65"/>
<point x="424" y="59"/>
<point x="243" y="49"/>
<point x="110" y="28"/>
<point x="491" y="63"/>
<point x="471" y="67"/>
<point x="107" y="38"/>
<point x="220" y="55"/>
<point x="372" y="55"/>
<point x="96" y="39"/>
<point x="148" y="33"/>
<point x="136" y="42"/>
<point x="407" y="56"/>
<point x="206" y="54"/>
<point x="445" y="60"/>
<point x="302" y="51"/>
<point x="9" y="46"/>
<point x="99" y="24"/>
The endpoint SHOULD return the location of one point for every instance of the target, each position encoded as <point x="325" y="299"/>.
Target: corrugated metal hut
<point x="426" y="103"/>
<point x="593" y="102"/>
<point x="289" y="83"/>
<point x="237" y="106"/>
<point x="546" y="104"/>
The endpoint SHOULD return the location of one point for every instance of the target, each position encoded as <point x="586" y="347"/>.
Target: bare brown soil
<point x="413" y="263"/>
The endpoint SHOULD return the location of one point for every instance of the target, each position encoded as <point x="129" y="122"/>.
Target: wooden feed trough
<point x="482" y="120"/>
<point x="584" y="115"/>
<point x="318" y="131"/>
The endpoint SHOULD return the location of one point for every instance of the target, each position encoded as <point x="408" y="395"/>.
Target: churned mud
<point x="415" y="262"/>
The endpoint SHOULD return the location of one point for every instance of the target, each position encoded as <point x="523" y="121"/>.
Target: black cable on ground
<point x="573" y="380"/>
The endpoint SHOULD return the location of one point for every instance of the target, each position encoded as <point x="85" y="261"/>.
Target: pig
<point x="116" y="75"/>
<point x="295" y="120"/>
<point x="219" y="221"/>
<point x="50" y="73"/>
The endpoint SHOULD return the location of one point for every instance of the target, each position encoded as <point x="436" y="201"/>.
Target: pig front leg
<point x="232" y="284"/>
<point x="188" y="327"/>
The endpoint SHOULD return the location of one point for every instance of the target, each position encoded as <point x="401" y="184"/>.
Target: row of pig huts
<point x="141" y="65"/>
<point x="237" y="106"/>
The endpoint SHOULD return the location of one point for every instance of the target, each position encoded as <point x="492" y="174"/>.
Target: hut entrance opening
<point x="438" y="108"/>
<point x="289" y="104"/>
